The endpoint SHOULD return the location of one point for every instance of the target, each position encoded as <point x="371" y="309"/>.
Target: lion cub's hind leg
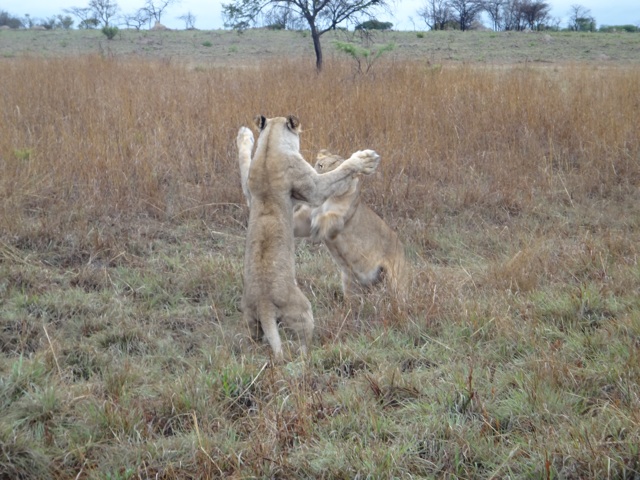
<point x="397" y="278"/>
<point x="351" y="288"/>
<point x="297" y="316"/>
<point x="252" y="323"/>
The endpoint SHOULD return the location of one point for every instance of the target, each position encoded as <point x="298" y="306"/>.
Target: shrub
<point x="110" y="32"/>
<point x="374" y="25"/>
<point x="364" y="57"/>
<point x="276" y="26"/>
<point x="22" y="153"/>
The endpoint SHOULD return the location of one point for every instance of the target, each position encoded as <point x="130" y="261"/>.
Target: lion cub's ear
<point x="260" y="121"/>
<point x="293" y="123"/>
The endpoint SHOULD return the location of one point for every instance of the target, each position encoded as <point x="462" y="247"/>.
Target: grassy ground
<point x="225" y="47"/>
<point x="122" y="351"/>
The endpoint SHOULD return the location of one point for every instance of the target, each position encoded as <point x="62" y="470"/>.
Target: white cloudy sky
<point x="208" y="12"/>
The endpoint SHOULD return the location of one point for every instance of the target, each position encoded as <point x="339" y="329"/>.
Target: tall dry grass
<point x="515" y="190"/>
<point x="93" y="137"/>
<point x="92" y="145"/>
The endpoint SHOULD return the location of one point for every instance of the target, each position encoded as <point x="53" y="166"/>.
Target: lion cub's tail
<point x="267" y="315"/>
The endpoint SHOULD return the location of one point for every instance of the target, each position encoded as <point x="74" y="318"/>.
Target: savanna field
<point x="515" y="188"/>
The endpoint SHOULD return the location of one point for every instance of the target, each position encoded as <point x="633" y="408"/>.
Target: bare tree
<point x="575" y="12"/>
<point x="436" y="14"/>
<point x="554" y="22"/>
<point x="493" y="8"/>
<point x="512" y="17"/>
<point x="580" y="18"/>
<point x="155" y="8"/>
<point x="64" y="21"/>
<point x="58" y="22"/>
<point x="283" y="18"/>
<point x="465" y="11"/>
<point x="534" y="13"/>
<point x="189" y="20"/>
<point x="320" y="15"/>
<point x="104" y="10"/>
<point x="137" y="19"/>
<point x="85" y="16"/>
<point x="410" y="18"/>
<point x="523" y="14"/>
<point x="28" y="21"/>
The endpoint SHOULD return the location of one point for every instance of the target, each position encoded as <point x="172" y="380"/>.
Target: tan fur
<point x="361" y="243"/>
<point x="245" y="146"/>
<point x="275" y="179"/>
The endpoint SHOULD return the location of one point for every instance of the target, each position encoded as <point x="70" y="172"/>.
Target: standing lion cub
<point x="276" y="178"/>
<point x="367" y="251"/>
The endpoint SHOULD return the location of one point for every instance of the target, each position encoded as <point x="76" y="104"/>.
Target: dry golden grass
<point x="93" y="137"/>
<point x="515" y="190"/>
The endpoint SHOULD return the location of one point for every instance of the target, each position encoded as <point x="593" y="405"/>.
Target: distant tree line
<point x="516" y="15"/>
<point x="57" y="21"/>
<point x="99" y="14"/>
<point x="503" y="14"/>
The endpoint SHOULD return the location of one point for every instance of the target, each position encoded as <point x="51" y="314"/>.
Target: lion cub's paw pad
<point x="368" y="159"/>
<point x="245" y="135"/>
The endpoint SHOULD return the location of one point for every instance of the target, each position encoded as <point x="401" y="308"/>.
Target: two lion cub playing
<point x="276" y="179"/>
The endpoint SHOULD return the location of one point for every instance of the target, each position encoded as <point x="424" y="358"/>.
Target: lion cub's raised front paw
<point x="245" y="138"/>
<point x="366" y="161"/>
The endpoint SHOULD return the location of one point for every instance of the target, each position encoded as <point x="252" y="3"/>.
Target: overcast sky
<point x="208" y="12"/>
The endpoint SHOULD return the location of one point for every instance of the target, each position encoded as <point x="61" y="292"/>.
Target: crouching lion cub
<point x="366" y="250"/>
<point x="276" y="178"/>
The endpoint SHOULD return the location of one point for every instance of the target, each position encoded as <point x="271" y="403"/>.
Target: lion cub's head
<point x="280" y="132"/>
<point x="327" y="161"/>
